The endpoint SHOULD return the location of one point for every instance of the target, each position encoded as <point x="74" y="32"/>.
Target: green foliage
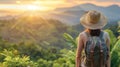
<point x="115" y="56"/>
<point x="44" y="63"/>
<point x="113" y="38"/>
<point x="114" y="45"/>
<point x="70" y="40"/>
<point x="69" y="55"/>
<point x="13" y="59"/>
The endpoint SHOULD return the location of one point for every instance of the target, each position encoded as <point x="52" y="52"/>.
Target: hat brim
<point x="99" y="25"/>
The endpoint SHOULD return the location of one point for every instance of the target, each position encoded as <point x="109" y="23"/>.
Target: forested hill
<point x="35" y="29"/>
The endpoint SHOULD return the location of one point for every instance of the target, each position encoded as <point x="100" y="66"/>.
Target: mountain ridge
<point x="111" y="12"/>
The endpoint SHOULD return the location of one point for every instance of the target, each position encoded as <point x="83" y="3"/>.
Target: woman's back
<point x="91" y="41"/>
<point x="85" y="36"/>
<point x="93" y="45"/>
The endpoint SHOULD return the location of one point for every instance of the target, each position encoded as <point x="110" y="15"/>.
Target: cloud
<point x="6" y="1"/>
<point x="105" y="0"/>
<point x="93" y="0"/>
<point x="63" y="3"/>
<point x="67" y="1"/>
<point x="114" y="0"/>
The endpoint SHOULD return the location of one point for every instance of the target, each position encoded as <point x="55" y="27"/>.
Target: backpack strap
<point x="101" y="55"/>
<point x="101" y="35"/>
<point x="92" y="55"/>
<point x="91" y="51"/>
<point x="87" y="34"/>
<point x="101" y="50"/>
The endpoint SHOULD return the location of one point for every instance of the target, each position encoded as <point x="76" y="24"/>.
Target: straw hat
<point x="93" y="20"/>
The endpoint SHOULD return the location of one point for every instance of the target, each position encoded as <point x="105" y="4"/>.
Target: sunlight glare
<point x="18" y="2"/>
<point x="32" y="7"/>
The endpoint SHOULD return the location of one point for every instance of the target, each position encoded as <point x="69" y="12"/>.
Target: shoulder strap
<point x="87" y="34"/>
<point x="101" y="34"/>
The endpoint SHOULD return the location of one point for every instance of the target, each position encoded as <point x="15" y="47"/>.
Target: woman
<point x="93" y="41"/>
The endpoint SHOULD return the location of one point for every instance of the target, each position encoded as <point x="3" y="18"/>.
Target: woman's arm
<point x="80" y="47"/>
<point x="108" y="44"/>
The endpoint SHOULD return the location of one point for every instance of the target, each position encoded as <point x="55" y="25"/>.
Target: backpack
<point x="96" y="51"/>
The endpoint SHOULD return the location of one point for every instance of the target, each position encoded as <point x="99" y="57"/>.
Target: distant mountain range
<point x="71" y="15"/>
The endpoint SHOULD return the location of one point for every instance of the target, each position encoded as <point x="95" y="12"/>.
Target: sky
<point x="51" y="4"/>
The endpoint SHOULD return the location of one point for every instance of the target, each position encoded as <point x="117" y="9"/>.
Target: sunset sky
<point x="50" y="4"/>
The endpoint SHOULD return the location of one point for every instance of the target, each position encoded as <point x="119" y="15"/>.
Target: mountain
<point x="68" y="17"/>
<point x="114" y="8"/>
<point x="71" y="15"/>
<point x="34" y="29"/>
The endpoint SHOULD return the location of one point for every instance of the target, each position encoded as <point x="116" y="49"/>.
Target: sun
<point x="38" y="5"/>
<point x="32" y="7"/>
<point x="18" y="2"/>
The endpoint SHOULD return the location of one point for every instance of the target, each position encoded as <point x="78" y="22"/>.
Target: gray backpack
<point x="96" y="51"/>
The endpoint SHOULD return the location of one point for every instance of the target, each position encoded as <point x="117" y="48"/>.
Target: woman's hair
<point x="95" y="32"/>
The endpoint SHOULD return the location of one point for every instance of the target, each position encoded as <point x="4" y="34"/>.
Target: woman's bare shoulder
<point x="83" y="37"/>
<point x="82" y="34"/>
